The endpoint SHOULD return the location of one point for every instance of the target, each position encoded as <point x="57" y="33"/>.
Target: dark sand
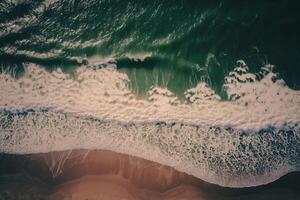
<point x="108" y="175"/>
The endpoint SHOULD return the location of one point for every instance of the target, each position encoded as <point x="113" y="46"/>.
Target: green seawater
<point x="185" y="41"/>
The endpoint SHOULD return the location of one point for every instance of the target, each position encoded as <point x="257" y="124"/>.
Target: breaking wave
<point x="251" y="139"/>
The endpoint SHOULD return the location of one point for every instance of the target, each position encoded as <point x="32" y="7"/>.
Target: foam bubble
<point x="224" y="156"/>
<point x="104" y="93"/>
<point x="250" y="140"/>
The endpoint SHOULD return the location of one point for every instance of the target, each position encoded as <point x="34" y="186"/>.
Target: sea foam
<point x="252" y="139"/>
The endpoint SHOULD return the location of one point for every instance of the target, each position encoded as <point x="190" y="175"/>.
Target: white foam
<point x="95" y="109"/>
<point x="215" y="155"/>
<point x="138" y="56"/>
<point x="104" y="93"/>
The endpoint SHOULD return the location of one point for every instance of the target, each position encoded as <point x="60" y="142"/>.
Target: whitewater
<point x="252" y="138"/>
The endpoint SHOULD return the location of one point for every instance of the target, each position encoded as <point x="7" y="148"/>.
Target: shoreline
<point x="132" y="177"/>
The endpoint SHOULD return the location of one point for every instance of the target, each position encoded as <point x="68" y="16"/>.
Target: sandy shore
<point x="106" y="175"/>
<point x="140" y="172"/>
<point x="111" y="187"/>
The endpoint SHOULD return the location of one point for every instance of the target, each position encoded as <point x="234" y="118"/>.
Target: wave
<point x="250" y="139"/>
<point x="51" y="33"/>
<point x="219" y="155"/>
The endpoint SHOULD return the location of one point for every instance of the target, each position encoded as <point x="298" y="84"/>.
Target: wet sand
<point x="82" y="175"/>
<point x="115" y="188"/>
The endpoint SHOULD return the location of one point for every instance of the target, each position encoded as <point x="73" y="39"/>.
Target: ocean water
<point x="210" y="89"/>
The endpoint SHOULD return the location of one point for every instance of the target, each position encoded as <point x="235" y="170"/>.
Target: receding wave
<point x="251" y="139"/>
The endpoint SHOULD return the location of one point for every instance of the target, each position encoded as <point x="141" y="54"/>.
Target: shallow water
<point x="205" y="93"/>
